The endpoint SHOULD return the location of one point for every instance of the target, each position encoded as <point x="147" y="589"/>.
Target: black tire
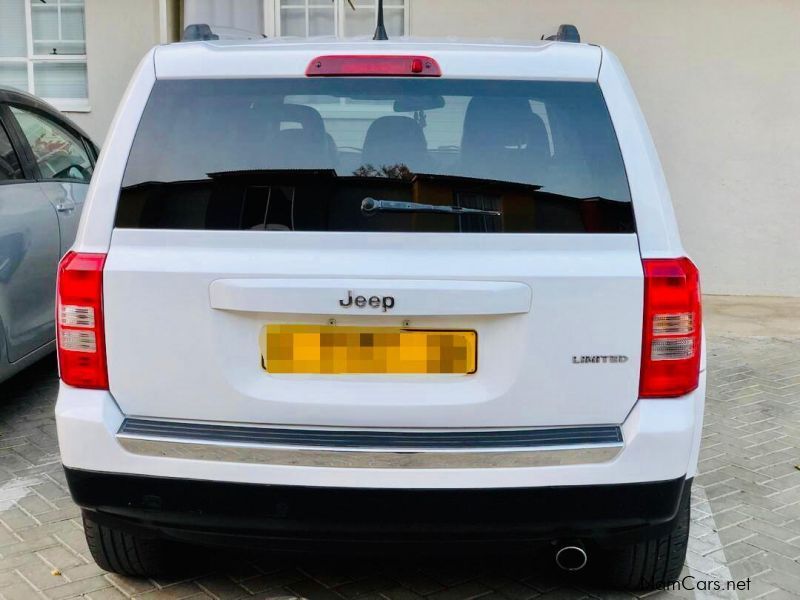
<point x="127" y="554"/>
<point x="655" y="563"/>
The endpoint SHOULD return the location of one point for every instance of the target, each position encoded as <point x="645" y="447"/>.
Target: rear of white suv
<point x="332" y="292"/>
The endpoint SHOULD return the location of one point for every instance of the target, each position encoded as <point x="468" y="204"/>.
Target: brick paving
<point x="746" y="510"/>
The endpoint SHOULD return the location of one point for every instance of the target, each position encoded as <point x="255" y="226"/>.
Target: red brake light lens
<point x="79" y="321"/>
<point x="672" y="328"/>
<point x="373" y="66"/>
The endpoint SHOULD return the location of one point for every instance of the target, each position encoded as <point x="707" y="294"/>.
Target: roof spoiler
<point x="565" y="33"/>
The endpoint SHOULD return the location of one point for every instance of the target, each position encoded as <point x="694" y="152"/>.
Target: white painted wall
<point x="719" y="82"/>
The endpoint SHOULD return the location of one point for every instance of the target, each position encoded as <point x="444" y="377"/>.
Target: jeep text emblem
<point x="385" y="302"/>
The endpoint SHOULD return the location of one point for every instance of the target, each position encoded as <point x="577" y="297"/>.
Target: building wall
<point x="118" y="34"/>
<point x="719" y="83"/>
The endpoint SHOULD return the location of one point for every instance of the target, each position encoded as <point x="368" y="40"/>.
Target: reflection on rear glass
<point x="302" y="155"/>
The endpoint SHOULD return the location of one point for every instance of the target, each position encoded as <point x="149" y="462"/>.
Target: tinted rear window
<point x="304" y="154"/>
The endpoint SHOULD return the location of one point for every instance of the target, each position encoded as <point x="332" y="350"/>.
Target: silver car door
<point x="30" y="246"/>
<point x="64" y="165"/>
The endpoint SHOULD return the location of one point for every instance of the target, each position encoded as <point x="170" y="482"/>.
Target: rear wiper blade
<point x="371" y="206"/>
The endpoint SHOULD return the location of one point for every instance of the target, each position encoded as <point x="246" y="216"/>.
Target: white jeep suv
<point x="392" y="291"/>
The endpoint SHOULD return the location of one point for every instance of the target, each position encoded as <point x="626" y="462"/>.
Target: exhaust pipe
<point x="571" y="558"/>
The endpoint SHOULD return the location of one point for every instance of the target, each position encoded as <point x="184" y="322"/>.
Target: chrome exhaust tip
<point x="571" y="558"/>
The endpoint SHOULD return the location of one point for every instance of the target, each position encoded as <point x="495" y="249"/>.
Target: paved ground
<point x="746" y="509"/>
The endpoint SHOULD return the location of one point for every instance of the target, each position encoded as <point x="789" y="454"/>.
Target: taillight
<point x="672" y="328"/>
<point x="79" y="321"/>
<point x="373" y="66"/>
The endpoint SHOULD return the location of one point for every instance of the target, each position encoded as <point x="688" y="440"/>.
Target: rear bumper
<point x="661" y="443"/>
<point x="371" y="449"/>
<point x="661" y="440"/>
<point x="294" y="517"/>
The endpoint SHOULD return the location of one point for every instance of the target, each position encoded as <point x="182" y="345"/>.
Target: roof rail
<point x="197" y="32"/>
<point x="565" y="33"/>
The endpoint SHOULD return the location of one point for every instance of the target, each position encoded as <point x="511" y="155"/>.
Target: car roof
<point x="458" y="58"/>
<point x="9" y="94"/>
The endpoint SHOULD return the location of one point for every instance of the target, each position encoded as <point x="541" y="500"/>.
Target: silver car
<point x="46" y="163"/>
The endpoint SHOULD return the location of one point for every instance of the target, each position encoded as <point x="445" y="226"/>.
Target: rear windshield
<point x="376" y="154"/>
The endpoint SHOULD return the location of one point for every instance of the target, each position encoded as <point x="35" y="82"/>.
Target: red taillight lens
<point x="79" y="321"/>
<point x="672" y="328"/>
<point x="373" y="66"/>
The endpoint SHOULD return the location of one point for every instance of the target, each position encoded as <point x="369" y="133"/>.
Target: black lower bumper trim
<point x="241" y="514"/>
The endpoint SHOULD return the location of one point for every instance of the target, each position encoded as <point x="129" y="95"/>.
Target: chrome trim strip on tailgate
<point x="413" y="449"/>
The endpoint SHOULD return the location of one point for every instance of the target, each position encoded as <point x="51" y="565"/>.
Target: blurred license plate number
<point x="325" y="349"/>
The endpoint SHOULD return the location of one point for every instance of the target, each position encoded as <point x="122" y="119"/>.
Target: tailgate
<point x="184" y="312"/>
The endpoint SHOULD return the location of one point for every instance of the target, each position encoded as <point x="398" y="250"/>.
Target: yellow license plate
<point x="331" y="349"/>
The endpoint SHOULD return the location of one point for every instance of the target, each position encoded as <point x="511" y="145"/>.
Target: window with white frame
<point x="43" y="50"/>
<point x="243" y="18"/>
<point x="343" y="18"/>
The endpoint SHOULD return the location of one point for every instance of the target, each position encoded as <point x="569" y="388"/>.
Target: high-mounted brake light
<point x="672" y="328"/>
<point x="373" y="66"/>
<point x="79" y="321"/>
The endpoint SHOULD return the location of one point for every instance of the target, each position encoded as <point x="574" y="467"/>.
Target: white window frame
<point x="305" y="8"/>
<point x="64" y="104"/>
<point x="338" y="14"/>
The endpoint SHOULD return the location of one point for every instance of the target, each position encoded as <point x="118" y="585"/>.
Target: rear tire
<point x="127" y="554"/>
<point x="655" y="563"/>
